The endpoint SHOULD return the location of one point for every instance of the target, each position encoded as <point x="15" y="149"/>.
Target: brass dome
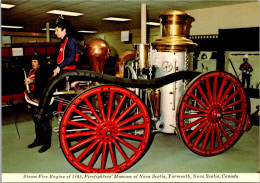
<point x="175" y="26"/>
<point x="98" y="51"/>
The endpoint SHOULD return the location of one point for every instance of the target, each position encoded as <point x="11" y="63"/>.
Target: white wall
<point x="209" y="20"/>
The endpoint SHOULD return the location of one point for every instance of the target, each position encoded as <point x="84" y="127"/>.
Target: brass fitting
<point x="175" y="27"/>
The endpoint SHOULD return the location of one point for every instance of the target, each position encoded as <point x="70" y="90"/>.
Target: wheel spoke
<point x="120" y="150"/>
<point x="232" y="119"/>
<point x="194" y="115"/>
<point x="86" y="117"/>
<point x="208" y="90"/>
<point x="227" y="125"/>
<point x="195" y="123"/>
<point x="232" y="111"/>
<point x="104" y="155"/>
<point x="230" y="97"/>
<point x="203" y="95"/>
<point x="132" y="127"/>
<point x="73" y="135"/>
<point x="132" y="118"/>
<point x="94" y="157"/>
<point x="215" y="85"/>
<point x="118" y="107"/>
<point x="112" y="154"/>
<point x="201" y="134"/>
<point x="196" y="129"/>
<point x="92" y="110"/>
<point x="81" y="143"/>
<point x="218" y="136"/>
<point x="223" y="130"/>
<point x="199" y="101"/>
<point x="125" y="112"/>
<point x="130" y="136"/>
<point x="232" y="104"/>
<point x="73" y="123"/>
<point x="225" y="93"/>
<point x="91" y="146"/>
<point x="221" y="89"/>
<point x="206" y="137"/>
<point x="195" y="108"/>
<point x="126" y="144"/>
<point x="212" y="137"/>
<point x="101" y="107"/>
<point x="110" y="102"/>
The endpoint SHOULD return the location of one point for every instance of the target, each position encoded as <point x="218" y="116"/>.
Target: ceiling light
<point x="85" y="31"/>
<point x="153" y="23"/>
<point x="51" y="29"/>
<point x="7" y="6"/>
<point x="11" y="27"/>
<point x="60" y="12"/>
<point x="116" y="19"/>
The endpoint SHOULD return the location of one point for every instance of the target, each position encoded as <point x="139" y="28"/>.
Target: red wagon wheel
<point x="113" y="126"/>
<point x="212" y="113"/>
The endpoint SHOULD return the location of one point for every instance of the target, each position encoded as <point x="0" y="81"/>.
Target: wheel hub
<point x="215" y="113"/>
<point x="107" y="131"/>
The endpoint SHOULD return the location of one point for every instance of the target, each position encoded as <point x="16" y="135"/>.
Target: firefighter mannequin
<point x="68" y="53"/>
<point x="36" y="84"/>
<point x="246" y="69"/>
<point x="38" y="79"/>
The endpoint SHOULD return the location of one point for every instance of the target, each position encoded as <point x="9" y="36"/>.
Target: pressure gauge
<point x="167" y="66"/>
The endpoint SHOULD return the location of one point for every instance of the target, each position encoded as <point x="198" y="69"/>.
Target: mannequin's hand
<point x="28" y="81"/>
<point x="56" y="71"/>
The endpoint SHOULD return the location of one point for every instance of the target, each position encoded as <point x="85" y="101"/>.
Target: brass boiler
<point x="98" y="52"/>
<point x="170" y="54"/>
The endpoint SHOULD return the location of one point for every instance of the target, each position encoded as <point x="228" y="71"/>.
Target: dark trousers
<point x="42" y="130"/>
<point x="245" y="78"/>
